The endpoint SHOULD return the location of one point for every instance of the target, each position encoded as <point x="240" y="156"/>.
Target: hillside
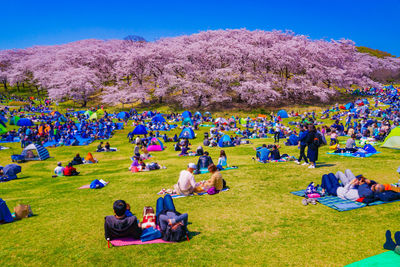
<point x="374" y="52"/>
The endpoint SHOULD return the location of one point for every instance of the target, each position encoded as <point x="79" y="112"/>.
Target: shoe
<point x="304" y="201"/>
<point x="305" y="163"/>
<point x="313" y="201"/>
<point x="297" y="162"/>
<point x="311" y="167"/>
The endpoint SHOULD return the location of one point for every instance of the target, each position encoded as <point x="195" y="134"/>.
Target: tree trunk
<point x="199" y="101"/>
<point x="5" y="86"/>
<point x="160" y="100"/>
<point x="17" y="86"/>
<point x="37" y="90"/>
<point x="84" y="103"/>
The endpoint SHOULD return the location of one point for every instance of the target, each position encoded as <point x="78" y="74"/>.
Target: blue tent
<point x="349" y="106"/>
<point x="24" y="122"/>
<point x="197" y="114"/>
<point x="187" y="133"/>
<point x="11" y="171"/>
<point x="5" y="214"/>
<point x="186" y="114"/>
<point x="225" y="141"/>
<point x="158" y="119"/>
<point x="283" y="114"/>
<point x="140" y="129"/>
<point x="3" y="119"/>
<point x="293" y="140"/>
<point x="123" y="115"/>
<point x="207" y="114"/>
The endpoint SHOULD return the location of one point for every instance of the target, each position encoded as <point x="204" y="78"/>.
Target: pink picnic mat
<point x="127" y="241"/>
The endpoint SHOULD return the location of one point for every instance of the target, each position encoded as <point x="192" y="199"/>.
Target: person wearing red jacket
<point x="70" y="170"/>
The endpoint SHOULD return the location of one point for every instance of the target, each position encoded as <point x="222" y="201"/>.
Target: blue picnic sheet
<point x="203" y="171"/>
<point x="339" y="204"/>
<point x="352" y="154"/>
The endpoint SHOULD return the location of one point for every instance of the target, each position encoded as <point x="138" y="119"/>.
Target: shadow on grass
<point x="193" y="234"/>
<point x="323" y="164"/>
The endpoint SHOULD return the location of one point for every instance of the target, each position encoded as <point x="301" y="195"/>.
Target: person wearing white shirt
<point x="186" y="182"/>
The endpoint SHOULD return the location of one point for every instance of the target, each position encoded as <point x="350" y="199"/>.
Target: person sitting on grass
<point x="186" y="182"/>
<point x="222" y="160"/>
<point x="184" y="151"/>
<point x="262" y="153"/>
<point x="122" y="223"/>
<point x="199" y="151"/>
<point x="90" y="159"/>
<point x="59" y="170"/>
<point x="100" y="147"/>
<point x="204" y="161"/>
<point x="212" y="186"/>
<point x="70" y="170"/>
<point x="77" y="160"/>
<point x="351" y="144"/>
<point x="107" y="147"/>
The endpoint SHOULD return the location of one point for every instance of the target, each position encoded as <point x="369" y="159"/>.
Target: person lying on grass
<point x="122" y="224"/>
<point x="353" y="187"/>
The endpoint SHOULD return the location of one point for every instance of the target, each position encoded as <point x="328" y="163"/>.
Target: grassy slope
<point x="256" y="222"/>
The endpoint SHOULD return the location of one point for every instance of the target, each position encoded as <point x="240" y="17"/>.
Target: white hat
<point x="192" y="166"/>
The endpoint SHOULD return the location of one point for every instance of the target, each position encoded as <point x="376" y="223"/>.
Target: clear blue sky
<point x="26" y="23"/>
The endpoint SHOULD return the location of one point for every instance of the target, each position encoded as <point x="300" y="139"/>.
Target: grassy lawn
<point x="256" y="222"/>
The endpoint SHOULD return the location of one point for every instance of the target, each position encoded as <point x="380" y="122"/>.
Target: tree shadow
<point x="323" y="164"/>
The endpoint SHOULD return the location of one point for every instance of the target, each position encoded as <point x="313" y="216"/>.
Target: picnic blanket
<point x="196" y="194"/>
<point x="348" y="154"/>
<point x="339" y="204"/>
<point x="87" y="186"/>
<point x="203" y="171"/>
<point x="389" y="258"/>
<point x="128" y="241"/>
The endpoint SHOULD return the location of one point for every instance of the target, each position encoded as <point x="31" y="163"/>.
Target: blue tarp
<point x="24" y="122"/>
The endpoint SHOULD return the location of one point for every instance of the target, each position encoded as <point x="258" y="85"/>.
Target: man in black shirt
<point x="122" y="224"/>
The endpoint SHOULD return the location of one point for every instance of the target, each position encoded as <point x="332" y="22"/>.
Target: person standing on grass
<point x="302" y="145"/>
<point x="277" y="132"/>
<point x="313" y="141"/>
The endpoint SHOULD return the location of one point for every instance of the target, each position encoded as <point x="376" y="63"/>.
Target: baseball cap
<point x="192" y="165"/>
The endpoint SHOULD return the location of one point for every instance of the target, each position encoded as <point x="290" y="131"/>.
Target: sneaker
<point x="305" y="163"/>
<point x="297" y="162"/>
<point x="304" y="201"/>
<point x="313" y="201"/>
<point x="311" y="167"/>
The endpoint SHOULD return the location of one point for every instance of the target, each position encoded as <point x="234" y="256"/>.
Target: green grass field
<point x="256" y="222"/>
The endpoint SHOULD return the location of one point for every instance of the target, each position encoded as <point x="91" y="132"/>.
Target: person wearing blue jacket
<point x="263" y="153"/>
<point x="302" y="145"/>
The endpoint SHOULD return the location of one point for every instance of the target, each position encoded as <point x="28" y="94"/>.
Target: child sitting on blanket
<point x="120" y="225"/>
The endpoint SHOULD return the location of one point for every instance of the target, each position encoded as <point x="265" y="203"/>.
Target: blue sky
<point x="26" y="23"/>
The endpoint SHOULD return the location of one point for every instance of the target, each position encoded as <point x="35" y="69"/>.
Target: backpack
<point x="175" y="233"/>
